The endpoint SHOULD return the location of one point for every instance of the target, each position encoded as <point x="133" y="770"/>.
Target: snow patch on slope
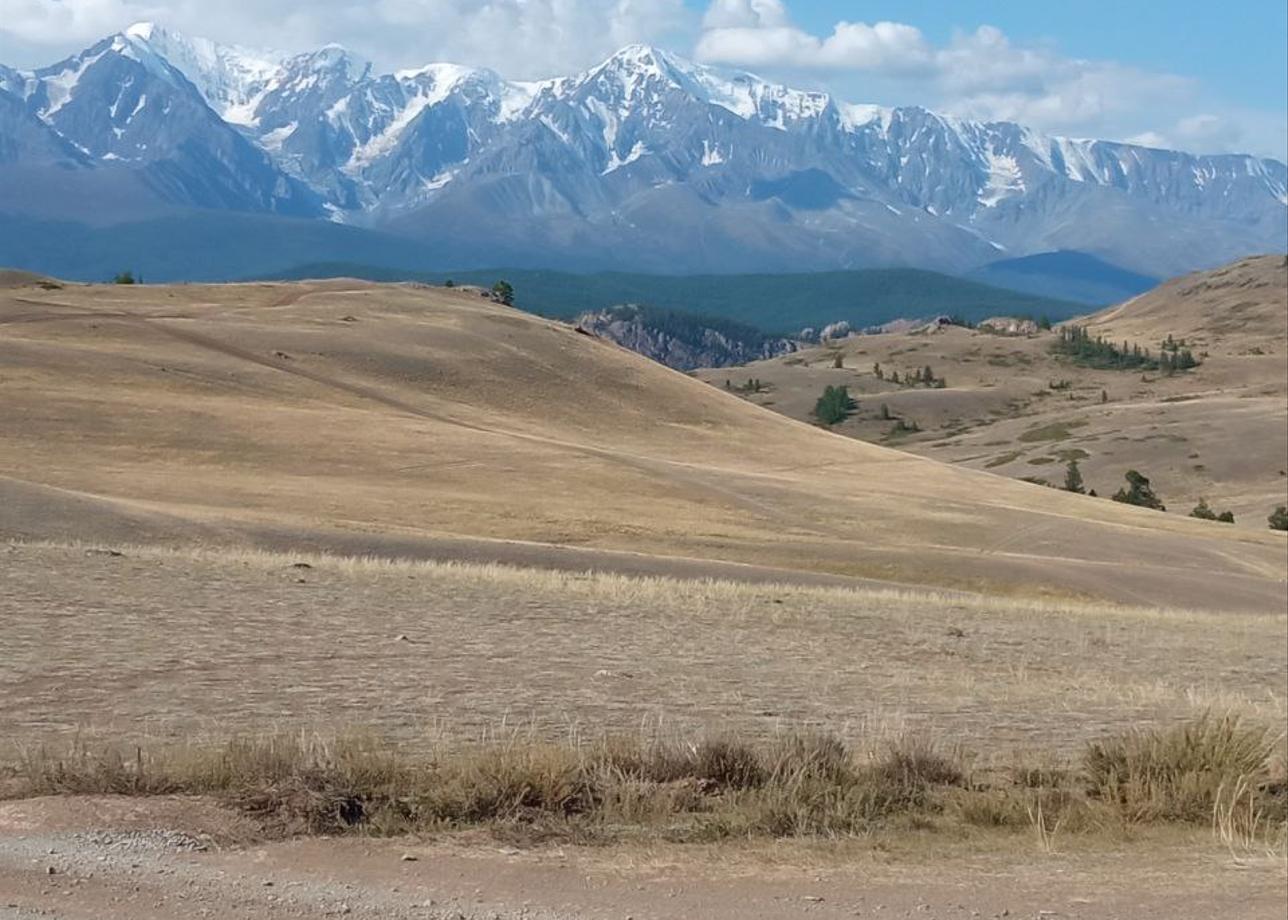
<point x="616" y="162"/>
<point x="60" y="87"/>
<point x="274" y="139"/>
<point x="427" y="87"/>
<point x="1004" y="180"/>
<point x="855" y="116"/>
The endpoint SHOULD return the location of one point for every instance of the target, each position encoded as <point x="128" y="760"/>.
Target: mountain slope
<point x="1235" y="309"/>
<point x="171" y="244"/>
<point x="125" y="109"/>
<point x="1068" y="275"/>
<point x="645" y="162"/>
<point x="437" y="418"/>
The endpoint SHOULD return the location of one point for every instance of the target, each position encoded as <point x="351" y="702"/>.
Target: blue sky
<point x="1235" y="48"/>
<point x="1201" y="76"/>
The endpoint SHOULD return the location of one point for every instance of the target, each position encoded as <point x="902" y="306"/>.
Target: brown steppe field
<point x="1011" y="407"/>
<point x="336" y="598"/>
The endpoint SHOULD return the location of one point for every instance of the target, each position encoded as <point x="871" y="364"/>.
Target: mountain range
<point x="646" y="162"/>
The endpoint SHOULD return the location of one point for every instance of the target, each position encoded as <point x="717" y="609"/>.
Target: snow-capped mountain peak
<point x="330" y="59"/>
<point x="627" y="157"/>
<point x="229" y="77"/>
<point x="644" y="62"/>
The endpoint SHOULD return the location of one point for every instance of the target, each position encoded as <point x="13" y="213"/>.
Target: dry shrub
<point x="652" y="761"/>
<point x="812" y="754"/>
<point x="809" y="806"/>
<point x="912" y="767"/>
<point x="507" y="782"/>
<point x="1213" y="769"/>
<point x="294" y="783"/>
<point x="82" y="771"/>
<point x="727" y="763"/>
<point x="1177" y="773"/>
<point x="991" y="808"/>
<point x="626" y="801"/>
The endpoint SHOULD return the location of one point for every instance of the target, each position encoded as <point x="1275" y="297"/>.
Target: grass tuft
<point x="1178" y="773"/>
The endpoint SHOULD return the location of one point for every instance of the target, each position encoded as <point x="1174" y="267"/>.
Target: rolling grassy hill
<point x="1010" y="406"/>
<point x="410" y="421"/>
<point x="779" y="303"/>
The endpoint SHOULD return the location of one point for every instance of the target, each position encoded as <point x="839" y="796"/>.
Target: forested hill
<point x="774" y="303"/>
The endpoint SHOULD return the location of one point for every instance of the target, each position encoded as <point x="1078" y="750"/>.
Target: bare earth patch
<point x="114" y="860"/>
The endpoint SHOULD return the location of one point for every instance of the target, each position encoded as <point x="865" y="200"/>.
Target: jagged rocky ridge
<point x="646" y="162"/>
<point x="680" y="340"/>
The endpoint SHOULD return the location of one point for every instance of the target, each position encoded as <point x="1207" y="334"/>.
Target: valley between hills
<point x="1009" y="405"/>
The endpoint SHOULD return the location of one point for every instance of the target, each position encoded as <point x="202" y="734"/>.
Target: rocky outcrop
<point x="1009" y="325"/>
<point x="681" y="341"/>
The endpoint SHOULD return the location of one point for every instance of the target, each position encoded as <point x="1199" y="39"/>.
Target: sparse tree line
<point x="1139" y="492"/>
<point x="753" y="385"/>
<point x="920" y="377"/>
<point x="1076" y="343"/>
<point x="1175" y="356"/>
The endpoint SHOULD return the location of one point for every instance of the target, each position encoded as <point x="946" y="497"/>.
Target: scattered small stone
<point x="300" y="565"/>
<point x="401" y="637"/>
<point x="50" y="870"/>
<point x="812" y="898"/>
<point x="410" y="857"/>
<point x="956" y="633"/>
<point x="104" y="552"/>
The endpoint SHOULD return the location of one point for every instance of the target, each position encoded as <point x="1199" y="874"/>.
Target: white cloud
<point x="745" y="14"/>
<point x="56" y="22"/>
<point x="748" y="38"/>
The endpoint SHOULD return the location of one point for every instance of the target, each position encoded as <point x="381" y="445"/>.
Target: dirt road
<point x="126" y="859"/>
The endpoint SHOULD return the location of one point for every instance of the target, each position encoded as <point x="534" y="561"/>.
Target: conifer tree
<point x="1203" y="511"/>
<point x="1138" y="492"/>
<point x="1073" y="479"/>
<point x="834" y="406"/>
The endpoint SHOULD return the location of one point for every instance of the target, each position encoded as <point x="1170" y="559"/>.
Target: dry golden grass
<point x="799" y="786"/>
<point x="361" y="418"/>
<point x="159" y="645"/>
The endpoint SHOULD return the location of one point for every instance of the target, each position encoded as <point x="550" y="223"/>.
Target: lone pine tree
<point x="1073" y="479"/>
<point x="1138" y="492"/>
